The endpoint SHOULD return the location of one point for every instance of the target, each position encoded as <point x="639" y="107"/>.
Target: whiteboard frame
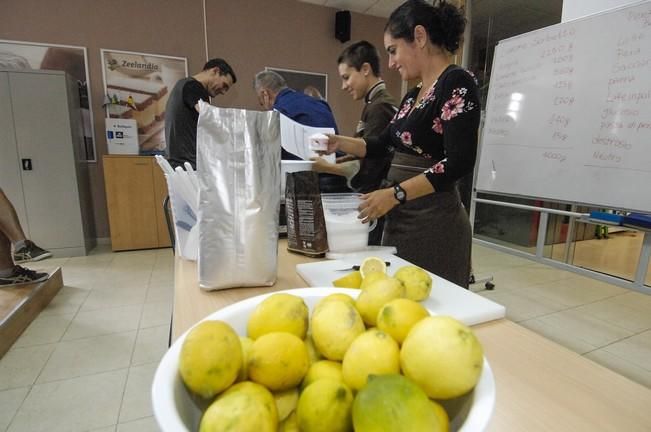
<point x="481" y="140"/>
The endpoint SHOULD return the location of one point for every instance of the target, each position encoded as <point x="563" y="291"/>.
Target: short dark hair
<point x="444" y="23"/>
<point x="359" y="53"/>
<point x="224" y="68"/>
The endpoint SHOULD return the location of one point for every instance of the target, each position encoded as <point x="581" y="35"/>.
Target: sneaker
<point x="30" y="252"/>
<point x="22" y="276"/>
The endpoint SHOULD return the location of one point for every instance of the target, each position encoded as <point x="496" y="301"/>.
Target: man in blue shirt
<point x="273" y="93"/>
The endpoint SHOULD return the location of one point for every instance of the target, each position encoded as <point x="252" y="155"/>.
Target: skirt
<point x="432" y="232"/>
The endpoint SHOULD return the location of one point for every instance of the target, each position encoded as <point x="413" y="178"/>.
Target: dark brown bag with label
<point x="306" y="232"/>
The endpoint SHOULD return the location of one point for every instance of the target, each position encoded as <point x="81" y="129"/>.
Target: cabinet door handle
<point x="27" y="164"/>
<point x="140" y="163"/>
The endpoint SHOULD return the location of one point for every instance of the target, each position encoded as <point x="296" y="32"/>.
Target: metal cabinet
<point x="40" y="138"/>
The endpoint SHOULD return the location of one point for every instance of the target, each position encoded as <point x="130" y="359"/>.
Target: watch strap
<point x="400" y="194"/>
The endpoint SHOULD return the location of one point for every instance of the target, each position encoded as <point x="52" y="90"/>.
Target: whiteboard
<point x="568" y="116"/>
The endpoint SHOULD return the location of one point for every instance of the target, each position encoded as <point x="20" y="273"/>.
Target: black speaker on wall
<point x="342" y="26"/>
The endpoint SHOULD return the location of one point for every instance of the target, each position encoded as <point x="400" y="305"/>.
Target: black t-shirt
<point x="181" y="121"/>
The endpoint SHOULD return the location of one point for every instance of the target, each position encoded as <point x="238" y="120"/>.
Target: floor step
<point x="20" y="305"/>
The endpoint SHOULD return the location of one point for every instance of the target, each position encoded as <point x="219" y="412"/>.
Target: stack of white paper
<point x="295" y="138"/>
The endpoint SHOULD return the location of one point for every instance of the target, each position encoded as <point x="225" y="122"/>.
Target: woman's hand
<point x="353" y="146"/>
<point x="334" y="142"/>
<point x="321" y="165"/>
<point x="376" y="204"/>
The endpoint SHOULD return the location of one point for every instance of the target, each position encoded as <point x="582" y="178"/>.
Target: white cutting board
<point x="446" y="298"/>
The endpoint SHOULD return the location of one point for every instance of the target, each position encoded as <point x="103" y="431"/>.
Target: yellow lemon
<point x="442" y="356"/>
<point x="290" y="424"/>
<point x="313" y="354"/>
<point x="279" y="312"/>
<point x="335" y="324"/>
<point x="278" y="361"/>
<point x="372" y="353"/>
<point x="286" y="402"/>
<point x="255" y="390"/>
<point x="370" y="279"/>
<point x="323" y="369"/>
<point x="442" y="416"/>
<point x="372" y="265"/>
<point x="376" y="295"/>
<point x="393" y="403"/>
<point x="210" y="359"/>
<point x="246" y="343"/>
<point x="325" y="406"/>
<point x="351" y="280"/>
<point x="398" y="317"/>
<point x="245" y="407"/>
<point x="336" y="296"/>
<point x="417" y="282"/>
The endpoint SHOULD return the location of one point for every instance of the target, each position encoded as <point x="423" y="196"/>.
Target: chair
<point x="167" y="210"/>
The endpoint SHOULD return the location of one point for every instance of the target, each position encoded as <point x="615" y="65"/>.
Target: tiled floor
<point x="606" y="323"/>
<point x="87" y="362"/>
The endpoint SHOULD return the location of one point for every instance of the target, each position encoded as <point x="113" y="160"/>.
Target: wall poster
<point x="137" y="86"/>
<point x="16" y="55"/>
<point x="312" y="83"/>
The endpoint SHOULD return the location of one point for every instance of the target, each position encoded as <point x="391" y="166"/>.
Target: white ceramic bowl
<point x="176" y="411"/>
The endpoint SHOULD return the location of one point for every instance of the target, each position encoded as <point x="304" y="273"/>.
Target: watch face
<point x="400" y="194"/>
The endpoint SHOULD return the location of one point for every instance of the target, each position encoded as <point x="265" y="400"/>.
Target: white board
<point x="569" y="113"/>
<point x="573" y="9"/>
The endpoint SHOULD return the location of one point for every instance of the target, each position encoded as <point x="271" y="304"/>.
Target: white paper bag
<point x="238" y="168"/>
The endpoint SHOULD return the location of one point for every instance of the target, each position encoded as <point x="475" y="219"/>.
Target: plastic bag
<point x="238" y="168"/>
<point x="183" y="190"/>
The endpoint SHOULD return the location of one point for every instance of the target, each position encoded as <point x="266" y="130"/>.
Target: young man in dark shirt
<point x="359" y="69"/>
<point x="182" y="112"/>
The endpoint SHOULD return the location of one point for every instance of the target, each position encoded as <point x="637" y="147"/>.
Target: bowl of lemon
<point x="327" y="359"/>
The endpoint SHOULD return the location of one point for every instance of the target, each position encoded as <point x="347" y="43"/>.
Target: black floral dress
<point x="438" y="138"/>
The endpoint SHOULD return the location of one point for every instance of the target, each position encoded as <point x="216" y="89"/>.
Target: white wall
<point x="573" y="9"/>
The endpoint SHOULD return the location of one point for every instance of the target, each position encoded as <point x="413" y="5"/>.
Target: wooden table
<point x="541" y="386"/>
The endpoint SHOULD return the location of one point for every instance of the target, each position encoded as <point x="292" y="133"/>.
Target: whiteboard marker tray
<point x="446" y="298"/>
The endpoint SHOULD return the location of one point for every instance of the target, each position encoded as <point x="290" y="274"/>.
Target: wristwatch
<point x="400" y="194"/>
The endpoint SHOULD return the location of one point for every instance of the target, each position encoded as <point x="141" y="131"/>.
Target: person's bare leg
<point x="12" y="275"/>
<point x="24" y="249"/>
<point x="9" y="223"/>
<point x="6" y="261"/>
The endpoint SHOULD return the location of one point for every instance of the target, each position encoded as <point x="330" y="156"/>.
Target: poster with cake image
<point x="137" y="86"/>
<point x="18" y="55"/>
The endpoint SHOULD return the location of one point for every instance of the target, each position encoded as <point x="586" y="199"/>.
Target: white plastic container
<point x="318" y="142"/>
<point x="346" y="233"/>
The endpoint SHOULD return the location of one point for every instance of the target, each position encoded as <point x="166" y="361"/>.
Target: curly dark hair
<point x="443" y="22"/>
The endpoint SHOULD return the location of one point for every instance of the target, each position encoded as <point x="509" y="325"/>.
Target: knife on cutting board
<point x="356" y="267"/>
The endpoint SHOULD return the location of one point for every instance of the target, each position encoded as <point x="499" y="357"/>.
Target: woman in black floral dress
<point x="434" y="136"/>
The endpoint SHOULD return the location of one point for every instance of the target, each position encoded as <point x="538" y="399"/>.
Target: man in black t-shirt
<point x="182" y="112"/>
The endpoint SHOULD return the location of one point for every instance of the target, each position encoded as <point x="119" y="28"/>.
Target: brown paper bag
<point x="306" y="232"/>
